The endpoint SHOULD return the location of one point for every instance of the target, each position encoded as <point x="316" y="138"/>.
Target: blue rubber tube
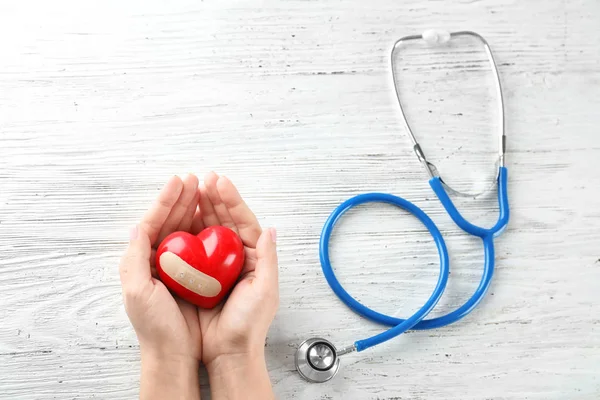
<point x="417" y="321"/>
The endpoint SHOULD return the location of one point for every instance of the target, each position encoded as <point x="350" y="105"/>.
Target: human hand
<point x="167" y="328"/>
<point x="234" y="333"/>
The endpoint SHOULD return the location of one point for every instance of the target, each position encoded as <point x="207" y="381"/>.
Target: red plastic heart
<point x="201" y="269"/>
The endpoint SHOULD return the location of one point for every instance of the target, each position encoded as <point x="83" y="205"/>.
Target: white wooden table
<point x="100" y="103"/>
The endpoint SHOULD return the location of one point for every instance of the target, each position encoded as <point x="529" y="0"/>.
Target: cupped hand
<point x="176" y="335"/>
<point x="167" y="327"/>
<point x="238" y="328"/>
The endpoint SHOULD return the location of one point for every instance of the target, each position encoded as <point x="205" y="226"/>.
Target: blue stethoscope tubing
<point x="417" y="321"/>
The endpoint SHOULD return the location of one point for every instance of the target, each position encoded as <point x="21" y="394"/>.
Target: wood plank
<point x="293" y="100"/>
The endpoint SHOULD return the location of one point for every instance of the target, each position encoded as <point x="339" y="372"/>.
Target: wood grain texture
<point x="100" y="103"/>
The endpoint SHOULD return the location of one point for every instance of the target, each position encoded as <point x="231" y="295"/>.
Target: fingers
<point x="266" y="271"/>
<point x="249" y="261"/>
<point x="179" y="209"/>
<point x="153" y="270"/>
<point x="210" y="181"/>
<point x="209" y="216"/>
<point x="134" y="268"/>
<point x="155" y="217"/>
<point x="197" y="223"/>
<point x="244" y="219"/>
<point x="188" y="218"/>
<point x="221" y="204"/>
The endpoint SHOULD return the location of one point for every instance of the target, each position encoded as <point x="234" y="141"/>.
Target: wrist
<point x="226" y="363"/>
<point x="240" y="376"/>
<point x="159" y="355"/>
<point x="168" y="376"/>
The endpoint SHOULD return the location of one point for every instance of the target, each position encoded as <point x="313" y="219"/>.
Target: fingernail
<point x="133" y="233"/>
<point x="273" y="233"/>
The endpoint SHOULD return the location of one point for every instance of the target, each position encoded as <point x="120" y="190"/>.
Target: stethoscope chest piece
<point x="316" y="360"/>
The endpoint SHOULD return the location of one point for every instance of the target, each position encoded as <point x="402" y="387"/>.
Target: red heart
<point x="201" y="269"/>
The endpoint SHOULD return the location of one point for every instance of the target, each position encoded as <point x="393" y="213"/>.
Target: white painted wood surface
<point x="100" y="102"/>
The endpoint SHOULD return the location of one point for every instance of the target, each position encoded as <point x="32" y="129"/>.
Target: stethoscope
<point x="317" y="359"/>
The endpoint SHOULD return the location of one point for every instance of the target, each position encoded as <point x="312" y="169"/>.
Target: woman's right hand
<point x="167" y="328"/>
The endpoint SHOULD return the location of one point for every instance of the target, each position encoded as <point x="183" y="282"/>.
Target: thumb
<point x="134" y="268"/>
<point x="266" y="253"/>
